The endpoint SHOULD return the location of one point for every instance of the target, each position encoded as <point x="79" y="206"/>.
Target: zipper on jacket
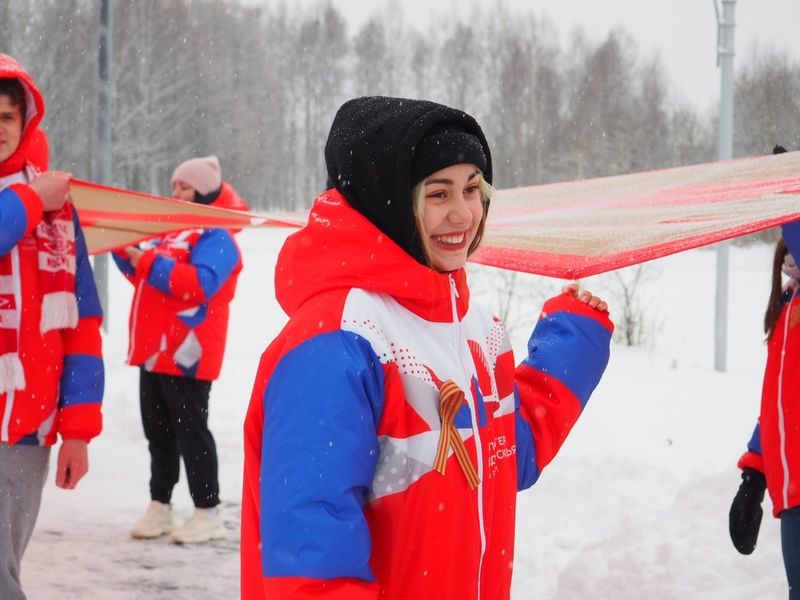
<point x="781" y="420"/>
<point x="457" y="344"/>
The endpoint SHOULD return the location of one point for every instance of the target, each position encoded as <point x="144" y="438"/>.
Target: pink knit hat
<point x="203" y="174"/>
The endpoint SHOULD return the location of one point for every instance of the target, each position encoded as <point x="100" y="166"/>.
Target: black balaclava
<point x="379" y="147"/>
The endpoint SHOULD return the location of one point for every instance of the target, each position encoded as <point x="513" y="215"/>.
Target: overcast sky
<point x="682" y="31"/>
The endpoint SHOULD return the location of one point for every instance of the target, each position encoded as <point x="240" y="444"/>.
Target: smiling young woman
<point x="388" y="430"/>
<point x="450" y="206"/>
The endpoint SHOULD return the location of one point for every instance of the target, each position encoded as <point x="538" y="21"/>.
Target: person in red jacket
<point x="184" y="284"/>
<point x="389" y="428"/>
<point x="772" y="459"/>
<point x="51" y="366"/>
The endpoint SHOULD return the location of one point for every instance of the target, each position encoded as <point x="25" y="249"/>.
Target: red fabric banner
<point x="112" y="217"/>
<point x="568" y="230"/>
<point x="580" y="228"/>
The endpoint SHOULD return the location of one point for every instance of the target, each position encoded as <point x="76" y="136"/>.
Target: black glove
<point x="745" y="517"/>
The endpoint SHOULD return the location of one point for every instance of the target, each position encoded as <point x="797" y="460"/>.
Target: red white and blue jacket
<point x="184" y="284"/>
<point x="64" y="367"/>
<point x="774" y="448"/>
<point x="341" y="499"/>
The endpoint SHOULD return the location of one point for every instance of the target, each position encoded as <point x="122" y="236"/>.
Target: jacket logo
<point x="500" y="448"/>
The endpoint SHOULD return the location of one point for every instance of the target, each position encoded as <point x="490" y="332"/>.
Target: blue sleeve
<point x="13" y="220"/>
<point x="572" y="348"/>
<point x="322" y="406"/>
<point x="754" y="445"/>
<point x="124" y="264"/>
<point x="85" y="288"/>
<point x="791" y="235"/>
<point x="83" y="378"/>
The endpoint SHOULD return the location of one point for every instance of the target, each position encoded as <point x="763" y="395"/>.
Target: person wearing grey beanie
<point x="184" y="283"/>
<point x="197" y="180"/>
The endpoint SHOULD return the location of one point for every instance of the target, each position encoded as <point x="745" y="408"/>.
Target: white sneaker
<point x="156" y="522"/>
<point x="204" y="525"/>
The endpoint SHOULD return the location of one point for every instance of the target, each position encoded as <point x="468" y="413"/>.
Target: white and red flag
<point x="112" y="218"/>
<point x="568" y="230"/>
<point x="580" y="228"/>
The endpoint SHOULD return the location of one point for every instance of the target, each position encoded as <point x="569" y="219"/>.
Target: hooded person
<point x="388" y="429"/>
<point x="178" y="323"/>
<point x="51" y="367"/>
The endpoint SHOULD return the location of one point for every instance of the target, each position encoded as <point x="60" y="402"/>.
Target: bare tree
<point x="320" y="73"/>
<point x="516" y="298"/>
<point x="630" y="292"/>
<point x="259" y="85"/>
<point x="692" y="139"/>
<point x="48" y="38"/>
<point x="767" y="103"/>
<point x="154" y="99"/>
<point x="371" y="54"/>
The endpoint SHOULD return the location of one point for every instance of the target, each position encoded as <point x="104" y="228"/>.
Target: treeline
<point x="258" y="86"/>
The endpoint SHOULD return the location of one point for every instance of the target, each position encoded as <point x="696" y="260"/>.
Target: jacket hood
<point x="370" y="155"/>
<point x="340" y="249"/>
<point x="229" y="198"/>
<point x="11" y="69"/>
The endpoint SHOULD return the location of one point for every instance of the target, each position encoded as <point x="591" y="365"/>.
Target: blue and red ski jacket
<point x="64" y="375"/>
<point x="184" y="284"/>
<point x="63" y="367"/>
<point x="341" y="495"/>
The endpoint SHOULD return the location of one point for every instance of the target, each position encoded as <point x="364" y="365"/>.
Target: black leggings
<point x="175" y="420"/>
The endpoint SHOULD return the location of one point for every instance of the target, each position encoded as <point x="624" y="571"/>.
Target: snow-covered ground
<point x="635" y="506"/>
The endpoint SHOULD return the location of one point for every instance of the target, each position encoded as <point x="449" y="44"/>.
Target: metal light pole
<point x="102" y="158"/>
<point x="725" y="53"/>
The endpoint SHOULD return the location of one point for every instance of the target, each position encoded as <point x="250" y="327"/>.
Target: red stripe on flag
<point x="575" y="266"/>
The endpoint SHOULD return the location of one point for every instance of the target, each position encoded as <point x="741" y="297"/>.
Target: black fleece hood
<point x="370" y="157"/>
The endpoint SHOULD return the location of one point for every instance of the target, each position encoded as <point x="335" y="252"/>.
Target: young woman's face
<point x="182" y="191"/>
<point x="450" y="215"/>
<point x="10" y="127"/>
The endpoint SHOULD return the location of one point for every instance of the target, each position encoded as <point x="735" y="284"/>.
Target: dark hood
<point x="369" y="156"/>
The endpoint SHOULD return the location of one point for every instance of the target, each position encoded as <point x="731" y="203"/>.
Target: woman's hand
<point x="586" y="297"/>
<point x="134" y="254"/>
